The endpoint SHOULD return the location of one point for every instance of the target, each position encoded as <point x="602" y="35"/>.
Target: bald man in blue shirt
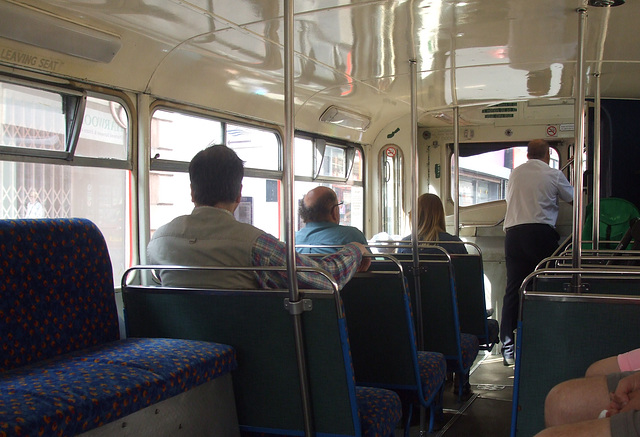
<point x="320" y="210"/>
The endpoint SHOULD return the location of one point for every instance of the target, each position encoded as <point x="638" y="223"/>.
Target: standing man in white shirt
<point x="533" y="193"/>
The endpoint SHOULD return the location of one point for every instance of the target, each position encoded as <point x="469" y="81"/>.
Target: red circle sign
<point x="391" y="152"/>
<point x="552" y="131"/>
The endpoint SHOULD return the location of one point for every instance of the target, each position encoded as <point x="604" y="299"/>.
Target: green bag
<point x="615" y="218"/>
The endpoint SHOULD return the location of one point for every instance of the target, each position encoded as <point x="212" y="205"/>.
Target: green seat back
<point x="596" y="284"/>
<point x="256" y="324"/>
<point x="381" y="330"/>
<point x="559" y="339"/>
<point x="469" y="280"/>
<point x="441" y="329"/>
<point x="439" y="309"/>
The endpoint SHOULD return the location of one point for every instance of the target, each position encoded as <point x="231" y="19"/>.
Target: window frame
<point x="319" y="144"/>
<point x="154" y="164"/>
<point x="170" y="165"/>
<point x="475" y="149"/>
<point x="399" y="198"/>
<point x="73" y="123"/>
<point x="68" y="158"/>
<point x="350" y="148"/>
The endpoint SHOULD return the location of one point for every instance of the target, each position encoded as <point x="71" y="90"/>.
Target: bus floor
<point x="485" y="412"/>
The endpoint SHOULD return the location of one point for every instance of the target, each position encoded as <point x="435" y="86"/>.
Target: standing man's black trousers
<point x="524" y="247"/>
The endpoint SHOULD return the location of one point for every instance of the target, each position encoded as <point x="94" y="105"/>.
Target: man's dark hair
<point x="216" y="175"/>
<point x="320" y="210"/>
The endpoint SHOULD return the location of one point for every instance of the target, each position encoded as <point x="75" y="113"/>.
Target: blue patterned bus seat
<point x="63" y="368"/>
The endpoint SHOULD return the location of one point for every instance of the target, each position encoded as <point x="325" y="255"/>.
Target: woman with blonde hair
<point x="432" y="227"/>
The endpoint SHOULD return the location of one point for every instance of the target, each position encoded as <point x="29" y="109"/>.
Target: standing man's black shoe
<point x="508" y="361"/>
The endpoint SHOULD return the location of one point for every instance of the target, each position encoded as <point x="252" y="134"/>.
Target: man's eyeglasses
<point x="337" y="204"/>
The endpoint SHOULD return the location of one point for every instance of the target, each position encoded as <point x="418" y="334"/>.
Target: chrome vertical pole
<point x="456" y="169"/>
<point x="456" y="133"/>
<point x="295" y="304"/>
<point x="414" y="201"/>
<point x="579" y="144"/>
<point x="596" y="167"/>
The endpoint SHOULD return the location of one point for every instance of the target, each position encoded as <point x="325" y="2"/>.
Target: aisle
<point x="486" y="412"/>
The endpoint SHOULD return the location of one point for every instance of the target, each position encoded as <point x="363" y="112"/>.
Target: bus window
<point x="391" y="167"/>
<point x="176" y="137"/>
<point x="483" y="177"/>
<point x="332" y="162"/>
<point x="257" y="148"/>
<point x="104" y="129"/>
<point x="32" y="119"/>
<point x="339" y="167"/>
<point x="47" y="172"/>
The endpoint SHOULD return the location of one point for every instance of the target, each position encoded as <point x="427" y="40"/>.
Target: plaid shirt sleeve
<point x="269" y="251"/>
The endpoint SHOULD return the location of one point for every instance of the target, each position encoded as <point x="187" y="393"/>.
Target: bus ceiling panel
<point x="540" y="111"/>
<point x="129" y="70"/>
<point x="170" y="22"/>
<point x="351" y="54"/>
<point x="142" y="42"/>
<point x="226" y="83"/>
<point x="618" y="80"/>
<point x="363" y="100"/>
<point x="504" y="82"/>
<point x="611" y="33"/>
<point x="242" y="88"/>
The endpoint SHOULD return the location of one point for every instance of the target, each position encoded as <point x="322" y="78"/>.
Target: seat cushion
<point x="380" y="411"/>
<point x="470" y="348"/>
<point x="433" y="370"/>
<point x="76" y="392"/>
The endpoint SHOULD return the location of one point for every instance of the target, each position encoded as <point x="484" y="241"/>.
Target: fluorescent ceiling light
<point x="41" y="29"/>
<point x="344" y="118"/>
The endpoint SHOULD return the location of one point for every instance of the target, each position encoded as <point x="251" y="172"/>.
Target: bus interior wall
<point x="620" y="154"/>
